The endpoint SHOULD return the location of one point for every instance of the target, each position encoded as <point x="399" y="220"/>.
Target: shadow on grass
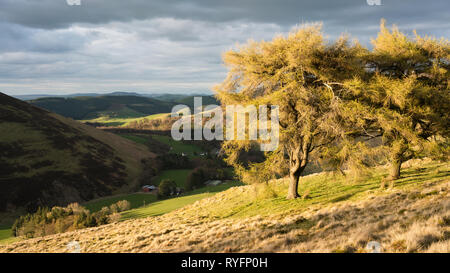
<point x="342" y="197"/>
<point x="420" y="178"/>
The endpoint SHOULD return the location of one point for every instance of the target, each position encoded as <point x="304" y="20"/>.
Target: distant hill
<point x="47" y="160"/>
<point x="39" y="96"/>
<point x="189" y="101"/>
<point x="115" y="106"/>
<point x="158" y="96"/>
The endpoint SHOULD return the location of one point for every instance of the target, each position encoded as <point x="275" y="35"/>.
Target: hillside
<point x="189" y="100"/>
<point x="46" y="159"/>
<point x="113" y="106"/>
<point x="336" y="214"/>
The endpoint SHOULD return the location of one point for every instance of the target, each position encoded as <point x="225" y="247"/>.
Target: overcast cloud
<point x="158" y="46"/>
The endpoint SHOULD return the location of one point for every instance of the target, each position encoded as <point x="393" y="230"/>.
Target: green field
<point x="115" y="114"/>
<point x="5" y="235"/>
<point x="165" y="206"/>
<point x="5" y="232"/>
<point x="136" y="200"/>
<point x="178" y="147"/>
<point x="179" y="176"/>
<point x="139" y="199"/>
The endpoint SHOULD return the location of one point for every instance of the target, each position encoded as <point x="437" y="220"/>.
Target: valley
<point x="132" y="148"/>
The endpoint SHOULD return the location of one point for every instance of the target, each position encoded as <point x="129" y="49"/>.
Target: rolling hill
<point x="47" y="160"/>
<point x="336" y="214"/>
<point x="114" y="105"/>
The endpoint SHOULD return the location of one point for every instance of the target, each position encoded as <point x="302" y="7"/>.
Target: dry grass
<point x="403" y="219"/>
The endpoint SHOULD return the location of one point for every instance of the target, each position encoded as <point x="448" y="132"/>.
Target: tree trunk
<point x="395" y="169"/>
<point x="297" y="162"/>
<point x="293" y="186"/>
<point x="397" y="158"/>
<point x="295" y="171"/>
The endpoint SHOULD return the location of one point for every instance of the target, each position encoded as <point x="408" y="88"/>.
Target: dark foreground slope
<point x="48" y="160"/>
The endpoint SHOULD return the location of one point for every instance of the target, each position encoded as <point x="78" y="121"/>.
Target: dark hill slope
<point x="46" y="159"/>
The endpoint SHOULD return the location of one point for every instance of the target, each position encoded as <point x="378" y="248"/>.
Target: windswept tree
<point x="407" y="89"/>
<point x="304" y="76"/>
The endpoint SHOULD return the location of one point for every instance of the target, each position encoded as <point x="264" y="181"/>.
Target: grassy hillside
<point x="337" y="214"/>
<point x="142" y="205"/>
<point x="46" y="159"/>
<point x="166" y="206"/>
<point x="117" y="122"/>
<point x="114" y="107"/>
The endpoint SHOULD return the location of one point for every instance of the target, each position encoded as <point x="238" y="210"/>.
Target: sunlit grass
<point x="335" y="214"/>
<point x="125" y="119"/>
<point x="323" y="189"/>
<point x="5" y="233"/>
<point x="168" y="205"/>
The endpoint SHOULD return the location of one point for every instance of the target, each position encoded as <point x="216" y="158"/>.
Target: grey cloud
<point x="168" y="45"/>
<point x="56" y="13"/>
<point x="15" y="38"/>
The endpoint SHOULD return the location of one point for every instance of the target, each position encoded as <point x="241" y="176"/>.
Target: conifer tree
<point x="406" y="88"/>
<point x="304" y="76"/>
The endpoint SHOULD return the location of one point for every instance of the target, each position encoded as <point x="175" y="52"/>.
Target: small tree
<point x="123" y="205"/>
<point x="196" y="178"/>
<point x="166" y="187"/>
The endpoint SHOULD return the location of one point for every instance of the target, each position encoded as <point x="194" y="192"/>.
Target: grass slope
<point x="337" y="215"/>
<point x="166" y="206"/>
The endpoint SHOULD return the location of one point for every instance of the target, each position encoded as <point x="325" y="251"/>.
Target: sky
<point x="168" y="46"/>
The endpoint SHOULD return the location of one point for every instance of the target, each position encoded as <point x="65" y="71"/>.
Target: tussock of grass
<point x="338" y="216"/>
